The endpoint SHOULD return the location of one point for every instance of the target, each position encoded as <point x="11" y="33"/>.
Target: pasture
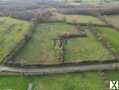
<point x="86" y="49"/>
<point x="11" y="32"/>
<point x="83" y="19"/>
<point x="111" y="35"/>
<point x="70" y="81"/>
<point x="40" y="49"/>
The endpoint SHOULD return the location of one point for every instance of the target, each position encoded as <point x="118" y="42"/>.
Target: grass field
<point x="83" y="19"/>
<point x="111" y="35"/>
<point x="40" y="49"/>
<point x="72" y="81"/>
<point x="81" y="81"/>
<point x="13" y="83"/>
<point x="113" y="75"/>
<point x="11" y="32"/>
<point x="85" y="49"/>
<point x="69" y="81"/>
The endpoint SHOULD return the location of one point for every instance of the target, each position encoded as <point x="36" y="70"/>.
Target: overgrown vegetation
<point x="111" y="35"/>
<point x="40" y="49"/>
<point x="86" y="49"/>
<point x="11" y="32"/>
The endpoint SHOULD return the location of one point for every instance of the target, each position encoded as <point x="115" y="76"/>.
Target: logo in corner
<point x="114" y="85"/>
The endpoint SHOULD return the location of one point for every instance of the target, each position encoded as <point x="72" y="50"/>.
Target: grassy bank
<point x="11" y="32"/>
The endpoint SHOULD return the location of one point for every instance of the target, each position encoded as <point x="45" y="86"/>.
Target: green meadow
<point x="70" y="81"/>
<point x="111" y="35"/>
<point x="11" y="32"/>
<point x="86" y="49"/>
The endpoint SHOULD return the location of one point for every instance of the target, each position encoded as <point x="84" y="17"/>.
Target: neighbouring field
<point x="40" y="49"/>
<point x="111" y="35"/>
<point x="113" y="19"/>
<point x="83" y="19"/>
<point x="79" y="81"/>
<point x="113" y="75"/>
<point x="13" y="83"/>
<point x="11" y="32"/>
<point x="86" y="49"/>
<point x="70" y="81"/>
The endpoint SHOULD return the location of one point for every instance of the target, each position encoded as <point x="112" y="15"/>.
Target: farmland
<point x="111" y="35"/>
<point x="11" y="32"/>
<point x="59" y="82"/>
<point x="59" y="46"/>
<point x="13" y="82"/>
<point x="42" y="40"/>
<point x="76" y="48"/>
<point x="67" y="81"/>
<point x="86" y="49"/>
<point x="71" y="81"/>
<point x="83" y="19"/>
<point x="113" y="75"/>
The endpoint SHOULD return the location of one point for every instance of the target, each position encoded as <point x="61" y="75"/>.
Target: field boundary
<point x="63" y="63"/>
<point x="61" y="58"/>
<point x="103" y="41"/>
<point x="104" y="78"/>
<point x="19" y="45"/>
<point x="103" y="18"/>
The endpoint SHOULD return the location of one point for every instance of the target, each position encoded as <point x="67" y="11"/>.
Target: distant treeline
<point x="29" y="13"/>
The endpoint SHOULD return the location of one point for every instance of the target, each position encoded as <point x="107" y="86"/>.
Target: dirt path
<point x="62" y="69"/>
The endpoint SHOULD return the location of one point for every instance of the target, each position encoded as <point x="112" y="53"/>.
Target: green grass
<point x="13" y="82"/>
<point x="71" y="81"/>
<point x="79" y="81"/>
<point x="111" y="35"/>
<point x="113" y="75"/>
<point x="40" y="49"/>
<point x="85" y="49"/>
<point x="11" y="32"/>
<point x="83" y="19"/>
